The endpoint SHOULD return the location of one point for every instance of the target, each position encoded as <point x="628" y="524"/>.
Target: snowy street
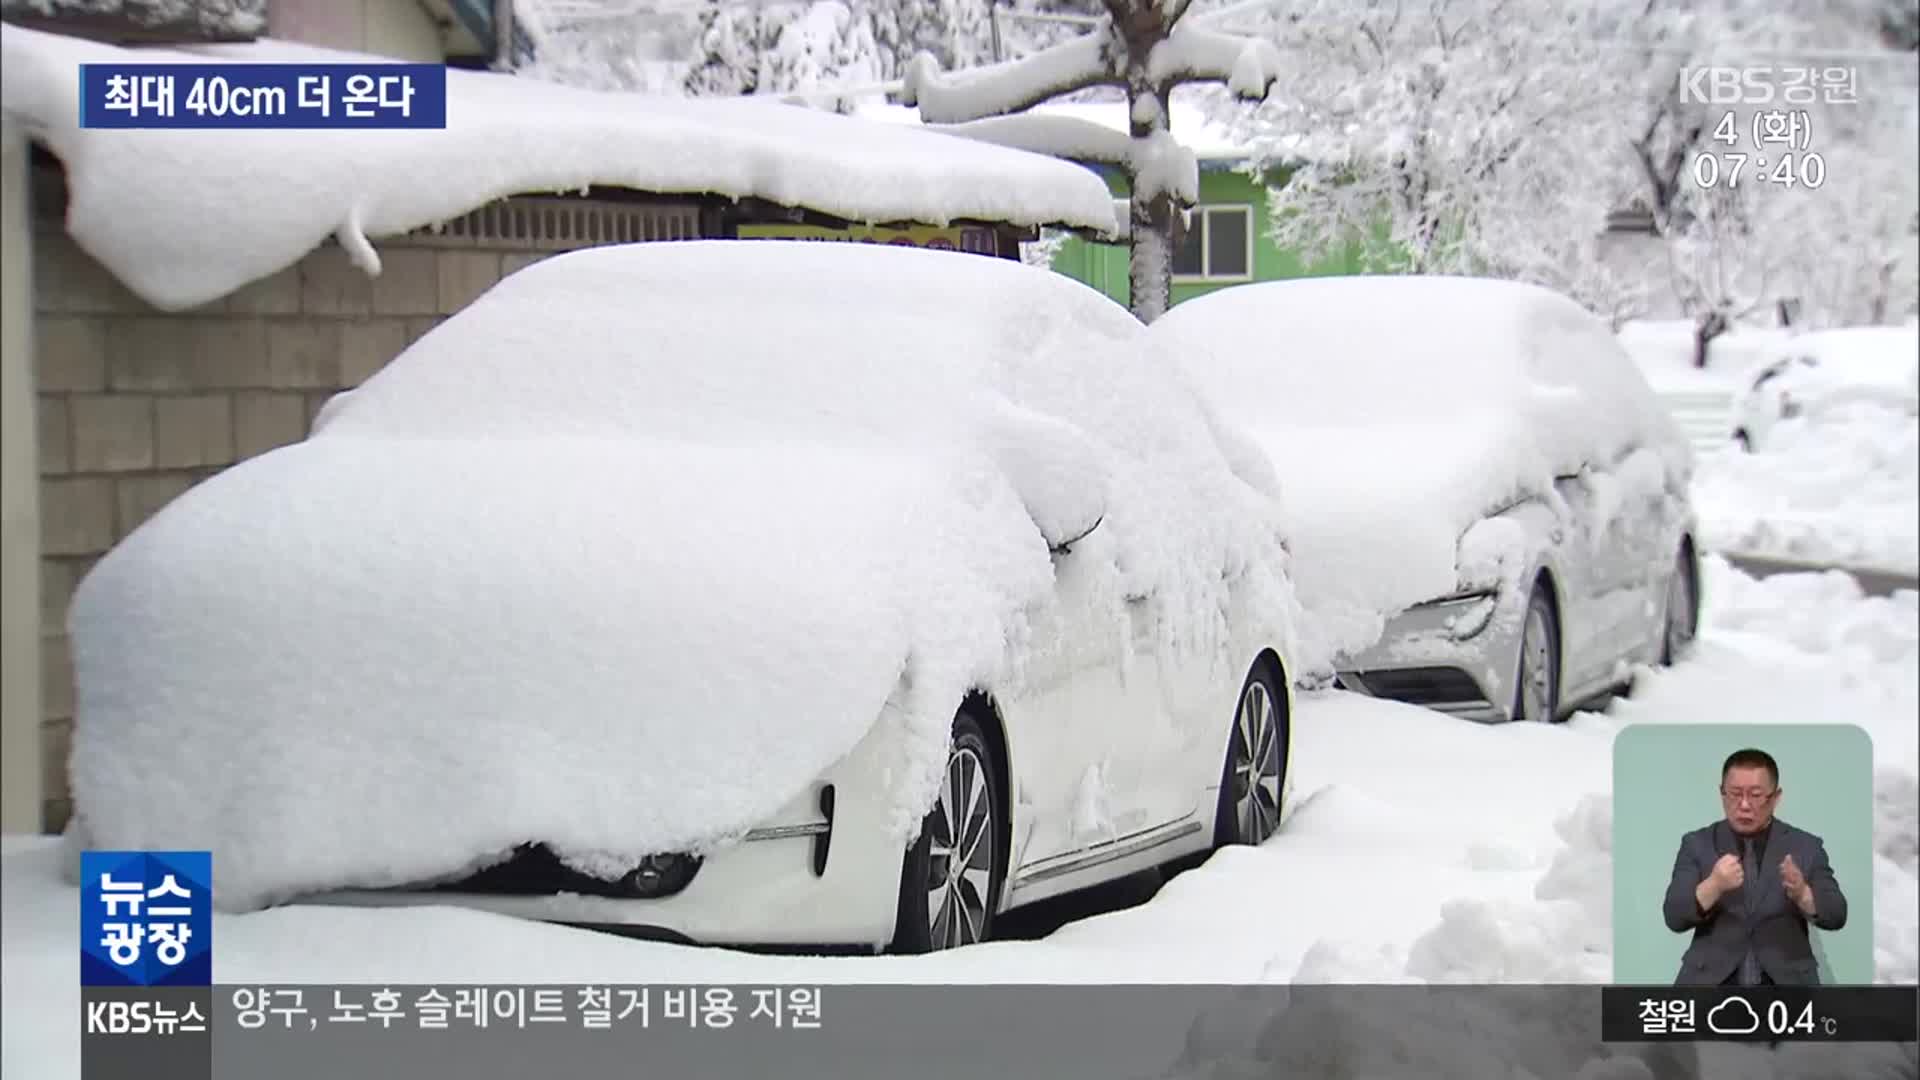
<point x="1873" y="582"/>
<point x="1417" y="848"/>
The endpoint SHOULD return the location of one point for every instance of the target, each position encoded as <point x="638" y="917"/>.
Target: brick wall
<point x="138" y="405"/>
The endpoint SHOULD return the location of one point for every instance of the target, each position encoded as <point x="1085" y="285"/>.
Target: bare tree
<point x="1146" y="47"/>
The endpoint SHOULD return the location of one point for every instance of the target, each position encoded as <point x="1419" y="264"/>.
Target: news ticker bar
<point x="852" y="1031"/>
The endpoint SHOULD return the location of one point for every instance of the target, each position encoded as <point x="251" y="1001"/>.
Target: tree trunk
<point x="1882" y="293"/>
<point x="1710" y="326"/>
<point x="1153" y="217"/>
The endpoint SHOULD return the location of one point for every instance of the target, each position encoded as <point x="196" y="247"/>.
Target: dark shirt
<point x="1753" y="853"/>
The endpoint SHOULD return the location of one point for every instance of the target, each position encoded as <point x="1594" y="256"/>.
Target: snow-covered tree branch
<point x="777" y="48"/>
<point x="1142" y="47"/>
<point x="1013" y="86"/>
<point x="1247" y="65"/>
<point x="1061" y="136"/>
<point x="1739" y="243"/>
<point x="1456" y="127"/>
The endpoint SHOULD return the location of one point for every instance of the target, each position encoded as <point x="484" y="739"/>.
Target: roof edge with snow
<point x="184" y="217"/>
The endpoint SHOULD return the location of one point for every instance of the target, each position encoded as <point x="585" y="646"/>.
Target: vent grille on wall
<point x="529" y="223"/>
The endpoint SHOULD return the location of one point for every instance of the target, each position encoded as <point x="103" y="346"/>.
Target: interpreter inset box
<point x="1743" y="855"/>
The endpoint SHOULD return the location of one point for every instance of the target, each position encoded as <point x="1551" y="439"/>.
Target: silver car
<point x="1488" y="507"/>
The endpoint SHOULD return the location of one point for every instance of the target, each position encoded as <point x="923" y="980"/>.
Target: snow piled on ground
<point x="1787" y="649"/>
<point x="1385" y="462"/>
<point x="617" y="563"/>
<point x="1663" y="349"/>
<point x="1418" y="849"/>
<point x="187" y="216"/>
<point x="1840" y="490"/>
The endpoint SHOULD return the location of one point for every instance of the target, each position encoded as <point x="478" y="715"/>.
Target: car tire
<point x="946" y="903"/>
<point x="1681" y="619"/>
<point x="1536" y="682"/>
<point x="1253" y="781"/>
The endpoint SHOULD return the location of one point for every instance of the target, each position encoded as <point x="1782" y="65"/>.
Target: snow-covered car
<point x="1826" y="375"/>
<point x="1487" y="507"/>
<point x="735" y="591"/>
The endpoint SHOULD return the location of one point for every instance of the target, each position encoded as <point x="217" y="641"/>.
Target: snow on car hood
<point x="481" y="645"/>
<point x="1373" y="527"/>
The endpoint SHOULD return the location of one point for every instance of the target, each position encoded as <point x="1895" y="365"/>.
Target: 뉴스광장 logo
<point x="146" y="918"/>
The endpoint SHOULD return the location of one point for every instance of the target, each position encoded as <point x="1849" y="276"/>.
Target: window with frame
<point x="1219" y="244"/>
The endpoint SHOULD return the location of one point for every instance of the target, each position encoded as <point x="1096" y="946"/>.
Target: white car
<point x="737" y="592"/>
<point x="1825" y="375"/>
<point x="1487" y="506"/>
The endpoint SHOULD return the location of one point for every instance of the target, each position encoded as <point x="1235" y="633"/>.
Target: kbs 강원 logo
<point x="146" y="918"/>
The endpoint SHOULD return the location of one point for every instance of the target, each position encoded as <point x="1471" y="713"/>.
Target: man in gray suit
<point x="1747" y="887"/>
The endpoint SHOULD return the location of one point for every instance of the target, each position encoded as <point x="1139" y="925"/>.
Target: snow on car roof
<point x="846" y="342"/>
<point x="1335" y="351"/>
<point x="187" y="216"/>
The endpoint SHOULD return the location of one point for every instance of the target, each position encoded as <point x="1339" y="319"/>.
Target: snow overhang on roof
<point x="185" y="217"/>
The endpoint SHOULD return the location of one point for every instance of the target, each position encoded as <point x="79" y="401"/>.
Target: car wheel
<point x="951" y="878"/>
<point x="1536" y="693"/>
<point x="1255" y="775"/>
<point x="1683" y="611"/>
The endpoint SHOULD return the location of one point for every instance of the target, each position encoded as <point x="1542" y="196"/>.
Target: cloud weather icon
<point x="1733" y="1016"/>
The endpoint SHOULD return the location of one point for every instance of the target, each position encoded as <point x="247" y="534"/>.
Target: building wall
<point x="20" y="798"/>
<point x="1104" y="266"/>
<point x="136" y="405"/>
<point x="401" y="29"/>
<point x="1641" y="259"/>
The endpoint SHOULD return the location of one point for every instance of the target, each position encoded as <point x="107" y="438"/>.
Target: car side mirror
<point x="1065" y="547"/>
<point x="1059" y="473"/>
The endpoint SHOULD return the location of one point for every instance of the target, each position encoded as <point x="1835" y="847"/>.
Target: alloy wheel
<point x="960" y="853"/>
<point x="1680" y="617"/>
<point x="1256" y="765"/>
<point x="1537" y="674"/>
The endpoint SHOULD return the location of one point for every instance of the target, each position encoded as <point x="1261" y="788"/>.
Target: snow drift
<point x="620" y="560"/>
<point x="1839" y="490"/>
<point x="1879" y="364"/>
<point x="1833" y="476"/>
<point x="1398" y="411"/>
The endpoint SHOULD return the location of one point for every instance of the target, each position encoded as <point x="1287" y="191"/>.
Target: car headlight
<point x="1464" y="614"/>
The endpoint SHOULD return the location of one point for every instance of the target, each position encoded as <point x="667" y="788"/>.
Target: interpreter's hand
<point x="1795" y="884"/>
<point x="1728" y="874"/>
